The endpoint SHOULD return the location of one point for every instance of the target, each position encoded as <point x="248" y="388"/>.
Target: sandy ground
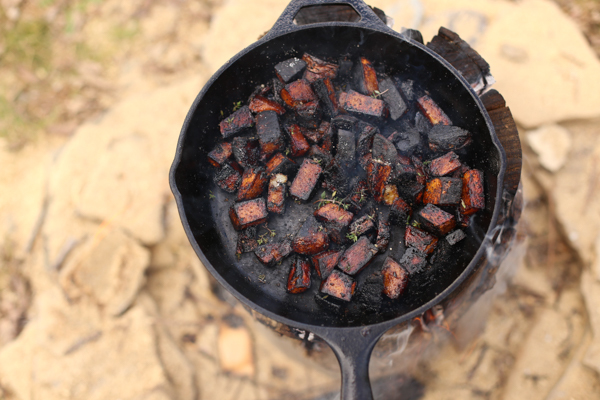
<point x="101" y="295"/>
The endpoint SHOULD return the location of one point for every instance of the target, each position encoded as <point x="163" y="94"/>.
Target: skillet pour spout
<point x="206" y="221"/>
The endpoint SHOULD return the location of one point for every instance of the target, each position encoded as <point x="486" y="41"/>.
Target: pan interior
<point x="205" y="206"/>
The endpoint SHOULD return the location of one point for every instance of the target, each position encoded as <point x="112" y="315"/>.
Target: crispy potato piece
<point x="332" y="212"/>
<point x="436" y="220"/>
<point x="306" y="180"/>
<point x="445" y="165"/>
<point x="326" y="261"/>
<point x="290" y="70"/>
<point x="272" y="253"/>
<point x="246" y="241"/>
<point x="365" y="78"/>
<point x="378" y="174"/>
<point x="473" y="198"/>
<point x="326" y="92"/>
<point x="383" y="235"/>
<point x="269" y="132"/>
<point x="246" y="151"/>
<point x="432" y="111"/>
<point x="339" y="285"/>
<point x="281" y="164"/>
<point x="318" y="69"/>
<point x="362" y="225"/>
<point x="248" y="213"/>
<point x="395" y="278"/>
<point x="260" y="104"/>
<point x="236" y="122"/>
<point x="297" y="93"/>
<point x="400" y="211"/>
<point x="420" y="240"/>
<point x="358" y="256"/>
<point x="220" y="154"/>
<point x="299" y="144"/>
<point x="413" y="260"/>
<point x="357" y="103"/>
<point x="443" y="191"/>
<point x="299" y="277"/>
<point x="228" y="179"/>
<point x="455" y="237"/>
<point x="277" y="194"/>
<point x="254" y="182"/>
<point x="448" y="138"/>
<point x="311" y="238"/>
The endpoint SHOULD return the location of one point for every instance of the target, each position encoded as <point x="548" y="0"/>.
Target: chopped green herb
<point x="237" y="106"/>
<point x="426" y="162"/>
<point x="463" y="204"/>
<point x="352" y="236"/>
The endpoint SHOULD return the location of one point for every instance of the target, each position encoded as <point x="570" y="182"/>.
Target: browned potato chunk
<point x="395" y="278"/>
<point x="326" y="261"/>
<point x="436" y="220"/>
<point x="260" y="104"/>
<point x="473" y="198"/>
<point x="248" y="213"/>
<point x="254" y="182"/>
<point x="220" y="154"/>
<point x="358" y="256"/>
<point x="299" y="277"/>
<point x="432" y="111"/>
<point x="445" y="165"/>
<point x="443" y="191"/>
<point x="311" y="238"/>
<point x="359" y="104"/>
<point x="420" y="240"/>
<point x="277" y="193"/>
<point x="339" y="285"/>
<point x="306" y="180"/>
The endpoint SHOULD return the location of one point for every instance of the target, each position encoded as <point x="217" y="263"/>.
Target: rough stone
<point x="576" y="189"/>
<point x="71" y="352"/>
<point x="542" y="63"/>
<point x="109" y="268"/>
<point x="552" y="144"/>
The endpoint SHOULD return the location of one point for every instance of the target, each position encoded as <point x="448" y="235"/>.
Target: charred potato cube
<point x="246" y="241"/>
<point x="384" y="150"/>
<point x="306" y="180"/>
<point x="395" y="278"/>
<point x="443" y="191"/>
<point x="420" y="240"/>
<point x="318" y="69"/>
<point x="248" y="213"/>
<point x="277" y="193"/>
<point x="432" y="111"/>
<point x="378" y="174"/>
<point x="358" y="256"/>
<point x="299" y="277"/>
<point x="413" y="260"/>
<point x="445" y="165"/>
<point x="298" y="92"/>
<point x="362" y="225"/>
<point x="365" y="78"/>
<point x="411" y="192"/>
<point x="269" y="132"/>
<point x="311" y="238"/>
<point x="332" y="212"/>
<point x="383" y="235"/>
<point x="298" y="143"/>
<point x="346" y="148"/>
<point x="339" y="285"/>
<point x="436" y="220"/>
<point x="254" y="182"/>
<point x="448" y="138"/>
<point x="290" y="70"/>
<point x="281" y="164"/>
<point x="359" y="104"/>
<point x="272" y="253"/>
<point x="236" y="122"/>
<point x="392" y="98"/>
<point x="220" y="154"/>
<point x="228" y="179"/>
<point x="326" y="93"/>
<point x="455" y="237"/>
<point x="473" y="198"/>
<point x="326" y="261"/>
<point x="261" y="104"/>
<point x="246" y="151"/>
<point x="400" y="211"/>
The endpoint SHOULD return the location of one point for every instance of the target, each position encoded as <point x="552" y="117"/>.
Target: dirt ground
<point x="101" y="295"/>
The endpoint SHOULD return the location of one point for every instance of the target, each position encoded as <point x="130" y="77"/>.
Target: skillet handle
<point x="353" y="348"/>
<point x="285" y="22"/>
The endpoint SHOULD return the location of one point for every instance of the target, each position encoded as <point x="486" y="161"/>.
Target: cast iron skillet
<point x="351" y="334"/>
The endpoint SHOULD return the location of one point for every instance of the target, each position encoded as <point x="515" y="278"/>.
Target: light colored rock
<point x="576" y="189"/>
<point x="115" y="170"/>
<point x="545" y="352"/>
<point x="109" y="268"/>
<point x="542" y="63"/>
<point x="69" y="351"/>
<point x="590" y="289"/>
<point x="552" y="144"/>
<point x="235" y="350"/>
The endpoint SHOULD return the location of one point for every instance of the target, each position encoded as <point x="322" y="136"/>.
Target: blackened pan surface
<point x="206" y="218"/>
